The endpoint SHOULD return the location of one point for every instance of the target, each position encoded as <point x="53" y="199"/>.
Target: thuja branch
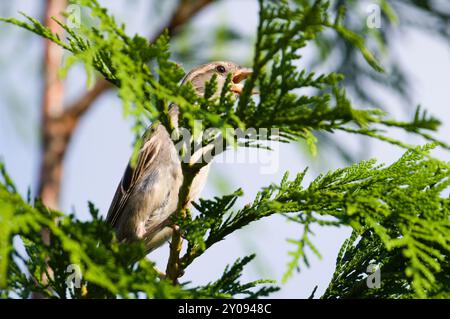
<point x="59" y="127"/>
<point x="174" y="268"/>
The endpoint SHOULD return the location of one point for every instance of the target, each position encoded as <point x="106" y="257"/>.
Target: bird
<point x="147" y="194"/>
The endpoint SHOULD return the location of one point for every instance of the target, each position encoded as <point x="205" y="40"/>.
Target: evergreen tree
<point x="399" y="213"/>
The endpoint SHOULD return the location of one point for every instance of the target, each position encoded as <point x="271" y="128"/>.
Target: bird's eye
<point x="220" y="69"/>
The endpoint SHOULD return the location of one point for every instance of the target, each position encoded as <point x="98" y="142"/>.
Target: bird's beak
<point x="238" y="77"/>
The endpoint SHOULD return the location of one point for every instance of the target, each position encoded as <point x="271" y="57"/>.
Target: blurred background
<point x="412" y="42"/>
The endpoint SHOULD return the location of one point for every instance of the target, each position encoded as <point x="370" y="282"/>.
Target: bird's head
<point x="202" y="74"/>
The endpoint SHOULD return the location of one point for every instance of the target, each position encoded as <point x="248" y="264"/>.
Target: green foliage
<point x="105" y="265"/>
<point x="398" y="209"/>
<point x="89" y="245"/>
<point x="399" y="215"/>
<point x="147" y="80"/>
<point x="395" y="15"/>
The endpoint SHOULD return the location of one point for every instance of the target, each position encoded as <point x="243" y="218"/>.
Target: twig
<point x="174" y="269"/>
<point x="175" y="265"/>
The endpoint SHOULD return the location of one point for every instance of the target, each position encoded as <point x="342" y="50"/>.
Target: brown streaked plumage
<point x="147" y="195"/>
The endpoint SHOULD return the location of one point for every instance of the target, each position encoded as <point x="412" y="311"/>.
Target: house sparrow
<point x="147" y="194"/>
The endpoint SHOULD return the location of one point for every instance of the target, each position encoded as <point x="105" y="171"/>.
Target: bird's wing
<point x="131" y="177"/>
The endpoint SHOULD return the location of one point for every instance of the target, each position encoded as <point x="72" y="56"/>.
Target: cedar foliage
<point x="399" y="213"/>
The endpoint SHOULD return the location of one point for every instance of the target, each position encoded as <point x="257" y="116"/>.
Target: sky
<point x="102" y="144"/>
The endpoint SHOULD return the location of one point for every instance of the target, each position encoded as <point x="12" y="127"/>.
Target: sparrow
<point x="147" y="194"/>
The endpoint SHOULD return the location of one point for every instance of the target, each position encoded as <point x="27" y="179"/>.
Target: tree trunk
<point x="54" y="138"/>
